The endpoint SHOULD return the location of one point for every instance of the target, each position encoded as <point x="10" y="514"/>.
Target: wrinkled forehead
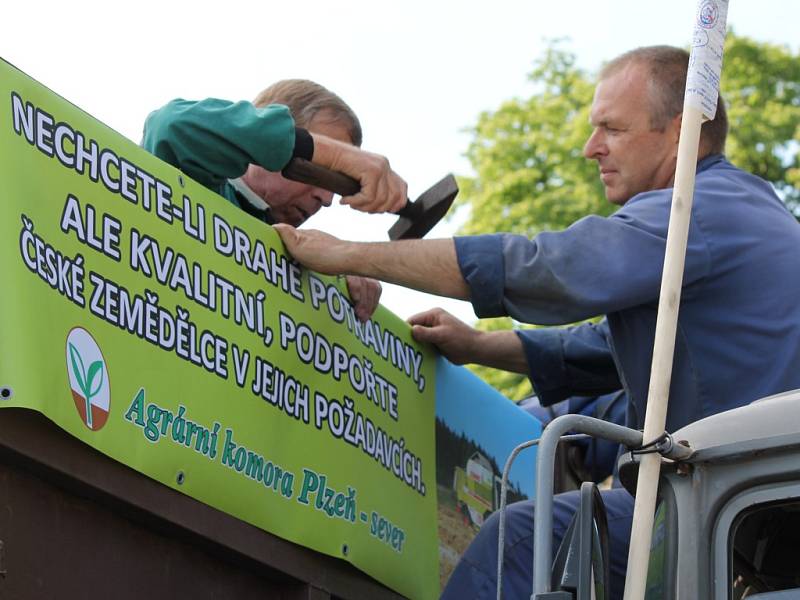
<point x="328" y="123"/>
<point x="622" y="93"/>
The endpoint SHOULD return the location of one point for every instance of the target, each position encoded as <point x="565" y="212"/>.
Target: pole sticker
<point x="705" y="61"/>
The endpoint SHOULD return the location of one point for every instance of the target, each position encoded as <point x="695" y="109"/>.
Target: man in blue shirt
<point x="738" y="336"/>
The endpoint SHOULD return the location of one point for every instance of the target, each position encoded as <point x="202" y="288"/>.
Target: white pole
<point x="700" y="102"/>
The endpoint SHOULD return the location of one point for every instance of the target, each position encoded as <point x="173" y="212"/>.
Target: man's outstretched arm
<point x="462" y="344"/>
<point x="425" y="265"/>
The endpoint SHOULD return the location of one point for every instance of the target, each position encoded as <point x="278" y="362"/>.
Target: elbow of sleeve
<point x="481" y="261"/>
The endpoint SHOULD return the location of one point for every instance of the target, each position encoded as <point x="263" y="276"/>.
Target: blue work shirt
<point x="738" y="336"/>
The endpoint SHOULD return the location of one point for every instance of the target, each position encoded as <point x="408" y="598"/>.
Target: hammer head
<point x="419" y="217"/>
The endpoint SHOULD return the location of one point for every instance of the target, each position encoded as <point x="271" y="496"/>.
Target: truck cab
<point x="727" y="522"/>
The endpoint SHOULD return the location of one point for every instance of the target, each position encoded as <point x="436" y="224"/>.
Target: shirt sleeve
<point x="572" y="361"/>
<point x="599" y="265"/>
<point x="214" y="140"/>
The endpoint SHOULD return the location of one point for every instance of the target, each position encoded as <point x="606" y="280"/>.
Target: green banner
<point x="162" y="326"/>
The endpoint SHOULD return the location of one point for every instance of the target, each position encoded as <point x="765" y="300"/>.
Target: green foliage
<point x="761" y="84"/>
<point x="527" y="155"/>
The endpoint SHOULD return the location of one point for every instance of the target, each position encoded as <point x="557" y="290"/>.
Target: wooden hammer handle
<point x="304" y="171"/>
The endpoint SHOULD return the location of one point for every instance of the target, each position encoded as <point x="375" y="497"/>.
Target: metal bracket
<point x="665" y="446"/>
<point x="543" y="509"/>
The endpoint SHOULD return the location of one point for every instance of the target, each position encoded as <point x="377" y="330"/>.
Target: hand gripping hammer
<point x="416" y="218"/>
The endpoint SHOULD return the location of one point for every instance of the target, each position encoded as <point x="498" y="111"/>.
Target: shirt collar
<point x="709" y="161"/>
<point x="248" y="194"/>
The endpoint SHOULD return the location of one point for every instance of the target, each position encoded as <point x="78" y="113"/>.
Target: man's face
<point x="292" y="202"/>
<point x="632" y="156"/>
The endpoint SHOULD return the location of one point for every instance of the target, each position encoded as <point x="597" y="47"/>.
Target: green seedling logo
<point x="88" y="378"/>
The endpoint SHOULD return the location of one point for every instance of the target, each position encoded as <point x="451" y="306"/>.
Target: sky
<point x="417" y="73"/>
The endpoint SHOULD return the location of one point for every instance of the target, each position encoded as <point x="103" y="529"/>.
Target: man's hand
<point x="365" y="294"/>
<point x="382" y="190"/>
<point x="462" y="344"/>
<point x="457" y="341"/>
<point x="425" y="265"/>
<point x="326" y="254"/>
<point x="315" y="249"/>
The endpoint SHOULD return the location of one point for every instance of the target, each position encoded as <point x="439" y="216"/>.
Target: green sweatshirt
<point x="215" y="140"/>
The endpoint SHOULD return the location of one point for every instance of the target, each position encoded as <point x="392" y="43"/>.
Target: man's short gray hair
<point x="667" y="68"/>
<point x="306" y="99"/>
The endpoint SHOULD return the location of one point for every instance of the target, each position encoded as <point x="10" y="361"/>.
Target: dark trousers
<point x="476" y="573"/>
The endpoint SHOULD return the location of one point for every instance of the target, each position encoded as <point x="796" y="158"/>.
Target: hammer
<point x="416" y="218"/>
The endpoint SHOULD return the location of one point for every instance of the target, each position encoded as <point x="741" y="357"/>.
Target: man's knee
<point x="478" y="566"/>
<point x="518" y="522"/>
<point x="519" y="526"/>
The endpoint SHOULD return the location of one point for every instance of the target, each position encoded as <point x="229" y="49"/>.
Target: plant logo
<point x="88" y="378"/>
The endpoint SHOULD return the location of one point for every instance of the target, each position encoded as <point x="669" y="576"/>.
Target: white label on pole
<point x="705" y="61"/>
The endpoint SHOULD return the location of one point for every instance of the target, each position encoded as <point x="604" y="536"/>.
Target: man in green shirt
<point x="238" y="149"/>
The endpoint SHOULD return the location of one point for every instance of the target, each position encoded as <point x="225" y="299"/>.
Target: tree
<point x="761" y="83"/>
<point x="527" y="155"/>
